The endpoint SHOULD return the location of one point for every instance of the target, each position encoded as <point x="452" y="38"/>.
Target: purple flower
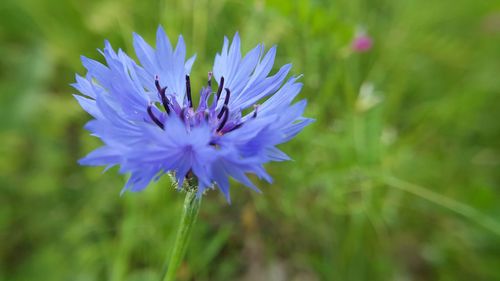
<point x="146" y="117"/>
<point x="362" y="43"/>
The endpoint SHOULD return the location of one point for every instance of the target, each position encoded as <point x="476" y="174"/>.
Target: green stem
<point x="189" y="215"/>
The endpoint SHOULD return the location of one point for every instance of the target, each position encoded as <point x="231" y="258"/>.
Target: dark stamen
<point x="237" y="126"/>
<point x="188" y="91"/>
<point x="226" y="102"/>
<point x="209" y="83"/>
<point x="157" y="83"/>
<point x="163" y="97"/>
<point x="166" y="103"/>
<point x="234" y="128"/>
<point x="228" y="95"/>
<point x="153" y="117"/>
<point x="221" y="86"/>
<point x="224" y="120"/>
<point x="256" y="107"/>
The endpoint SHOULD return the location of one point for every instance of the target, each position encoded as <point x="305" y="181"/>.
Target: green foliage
<point x="397" y="179"/>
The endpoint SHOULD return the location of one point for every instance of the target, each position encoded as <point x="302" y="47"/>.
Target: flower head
<point x="361" y="43"/>
<point x="146" y="117"/>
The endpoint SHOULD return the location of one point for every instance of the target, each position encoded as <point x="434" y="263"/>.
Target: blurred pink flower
<point x="362" y="43"/>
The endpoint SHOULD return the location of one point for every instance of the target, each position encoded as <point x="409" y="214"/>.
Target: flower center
<point x="217" y="116"/>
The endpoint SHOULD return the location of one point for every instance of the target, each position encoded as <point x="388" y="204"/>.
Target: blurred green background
<point x="398" y="179"/>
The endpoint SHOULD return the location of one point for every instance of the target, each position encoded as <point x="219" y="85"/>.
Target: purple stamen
<point x="163" y="97"/>
<point x="204" y="95"/>
<point x="183" y="114"/>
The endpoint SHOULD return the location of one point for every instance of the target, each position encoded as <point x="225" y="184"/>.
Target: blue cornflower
<point x="145" y="116"/>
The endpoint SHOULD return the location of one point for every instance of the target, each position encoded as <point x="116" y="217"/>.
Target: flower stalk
<point x="190" y="210"/>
